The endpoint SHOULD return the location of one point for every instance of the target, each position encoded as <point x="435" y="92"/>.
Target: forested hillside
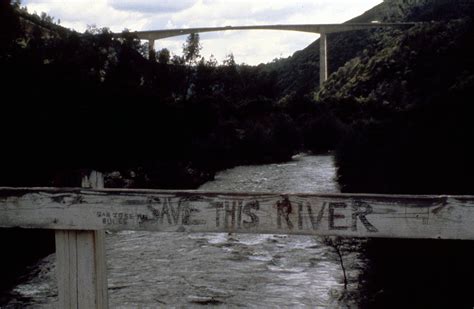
<point x="299" y="74"/>
<point x="81" y="101"/>
<point x="408" y="107"/>
<point x="400" y="97"/>
<point x="406" y="102"/>
<point x="173" y="122"/>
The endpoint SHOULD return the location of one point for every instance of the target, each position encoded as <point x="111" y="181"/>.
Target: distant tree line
<point x="89" y="100"/>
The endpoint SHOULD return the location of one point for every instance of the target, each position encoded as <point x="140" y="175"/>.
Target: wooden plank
<point x="94" y="242"/>
<point x="86" y="273"/>
<point x="66" y="269"/>
<point x="450" y="217"/>
<point x="81" y="262"/>
<point x="100" y="269"/>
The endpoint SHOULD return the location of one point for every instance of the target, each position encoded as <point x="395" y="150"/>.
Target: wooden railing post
<point x="81" y="263"/>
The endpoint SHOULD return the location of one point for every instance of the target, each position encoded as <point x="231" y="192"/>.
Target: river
<point x="147" y="270"/>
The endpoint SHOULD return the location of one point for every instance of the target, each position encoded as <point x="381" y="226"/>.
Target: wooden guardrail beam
<point x="352" y="215"/>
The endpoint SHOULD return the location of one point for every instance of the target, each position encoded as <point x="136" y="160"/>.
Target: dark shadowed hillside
<point x="299" y="74"/>
<point x="406" y="102"/>
<point x="170" y="124"/>
<point x="399" y="98"/>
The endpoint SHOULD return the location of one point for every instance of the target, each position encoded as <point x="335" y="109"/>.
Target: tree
<point x="163" y="56"/>
<point x="177" y="60"/>
<point x="128" y="39"/>
<point x="16" y="4"/>
<point x="229" y="60"/>
<point x="92" y="29"/>
<point x="11" y="29"/>
<point x="212" y="62"/>
<point x="46" y="18"/>
<point x="144" y="49"/>
<point x="192" y="49"/>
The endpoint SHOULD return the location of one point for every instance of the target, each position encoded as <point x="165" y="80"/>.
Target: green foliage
<point x="407" y="103"/>
<point x="229" y="61"/>
<point x="46" y="18"/>
<point x="8" y="20"/>
<point x="171" y="123"/>
<point x="386" y="83"/>
<point x="192" y="49"/>
<point x="163" y="56"/>
<point x="204" y="116"/>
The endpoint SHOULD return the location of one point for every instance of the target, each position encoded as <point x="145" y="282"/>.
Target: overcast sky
<point x="251" y="47"/>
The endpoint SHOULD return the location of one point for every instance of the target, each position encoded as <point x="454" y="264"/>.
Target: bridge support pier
<point x="323" y="59"/>
<point x="151" y="50"/>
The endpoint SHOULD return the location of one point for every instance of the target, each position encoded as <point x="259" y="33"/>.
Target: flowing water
<point x="149" y="270"/>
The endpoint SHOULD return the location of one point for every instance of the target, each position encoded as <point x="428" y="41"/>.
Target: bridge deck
<point x="312" y="28"/>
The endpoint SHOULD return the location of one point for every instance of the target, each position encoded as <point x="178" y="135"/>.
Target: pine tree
<point x="192" y="49"/>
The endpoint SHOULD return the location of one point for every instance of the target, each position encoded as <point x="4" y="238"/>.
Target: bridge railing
<point x="351" y="215"/>
<point x="80" y="216"/>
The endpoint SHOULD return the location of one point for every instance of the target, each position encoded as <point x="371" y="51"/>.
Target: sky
<point x="250" y="47"/>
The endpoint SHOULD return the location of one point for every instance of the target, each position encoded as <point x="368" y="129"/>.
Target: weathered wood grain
<point x="66" y="269"/>
<point x="447" y="217"/>
<point x="81" y="262"/>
